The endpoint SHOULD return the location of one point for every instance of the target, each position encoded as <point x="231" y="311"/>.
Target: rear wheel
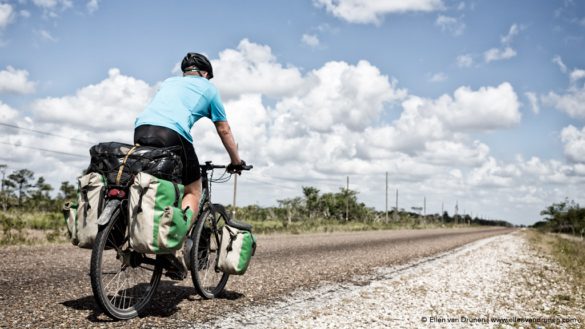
<point x="207" y="279"/>
<point x="123" y="281"/>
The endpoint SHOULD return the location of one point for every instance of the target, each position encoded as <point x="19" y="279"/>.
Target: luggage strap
<point x="119" y="176"/>
<point x="232" y="238"/>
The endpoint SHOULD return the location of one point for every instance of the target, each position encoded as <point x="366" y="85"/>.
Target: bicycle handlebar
<point x="209" y="165"/>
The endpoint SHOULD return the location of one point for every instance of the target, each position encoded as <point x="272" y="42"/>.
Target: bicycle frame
<point x="205" y="201"/>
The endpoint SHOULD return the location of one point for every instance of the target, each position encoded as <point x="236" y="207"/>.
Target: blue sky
<point x="478" y="103"/>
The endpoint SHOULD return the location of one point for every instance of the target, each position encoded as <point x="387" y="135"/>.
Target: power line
<point x="46" y="133"/>
<point x="45" y="150"/>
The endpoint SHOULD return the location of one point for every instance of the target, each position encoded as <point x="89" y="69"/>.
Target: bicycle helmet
<point x="196" y="61"/>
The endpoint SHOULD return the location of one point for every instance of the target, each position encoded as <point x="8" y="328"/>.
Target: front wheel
<point x="206" y="236"/>
<point x="123" y="281"/>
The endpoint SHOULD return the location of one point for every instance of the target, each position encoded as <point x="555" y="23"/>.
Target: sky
<point x="470" y="106"/>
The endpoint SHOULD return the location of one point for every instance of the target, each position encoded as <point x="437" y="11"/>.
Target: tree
<point x="565" y="216"/>
<point x="67" y="191"/>
<point x="3" y="191"/>
<point x="348" y="198"/>
<point x="40" y="197"/>
<point x="292" y="206"/>
<point x="311" y="200"/>
<point x="21" y="181"/>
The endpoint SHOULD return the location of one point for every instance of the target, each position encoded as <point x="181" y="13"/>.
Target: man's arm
<point x="225" y="133"/>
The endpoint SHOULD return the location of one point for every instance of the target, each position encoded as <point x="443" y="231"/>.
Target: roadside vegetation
<point x="30" y="212"/>
<point x="570" y="254"/>
<point x="563" y="217"/>
<point x="560" y="235"/>
<point x="314" y="211"/>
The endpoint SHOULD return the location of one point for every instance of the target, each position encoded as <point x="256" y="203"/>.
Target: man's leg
<point x="192" y="197"/>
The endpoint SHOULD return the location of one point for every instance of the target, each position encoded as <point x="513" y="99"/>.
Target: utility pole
<point x="396" y="200"/>
<point x="386" y="197"/>
<point x="235" y="192"/>
<point x="456" y="212"/>
<point x="425" y="206"/>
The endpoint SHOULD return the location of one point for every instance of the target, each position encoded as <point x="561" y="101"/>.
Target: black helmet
<point x="198" y="62"/>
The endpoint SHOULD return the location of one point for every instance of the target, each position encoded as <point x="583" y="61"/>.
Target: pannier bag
<point x="238" y="245"/>
<point x="156" y="222"/>
<point x="119" y="162"/>
<point x="82" y="216"/>
<point x="70" y="214"/>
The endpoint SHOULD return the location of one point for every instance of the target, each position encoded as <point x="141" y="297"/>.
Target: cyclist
<point x="168" y="119"/>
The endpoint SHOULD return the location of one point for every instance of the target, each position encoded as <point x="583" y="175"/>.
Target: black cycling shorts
<point x="149" y="135"/>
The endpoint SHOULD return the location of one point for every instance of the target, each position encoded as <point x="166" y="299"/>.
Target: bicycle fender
<point x="106" y="214"/>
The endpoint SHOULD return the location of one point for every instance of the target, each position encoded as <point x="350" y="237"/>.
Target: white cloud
<point x="488" y="108"/>
<point x="450" y="24"/>
<point x="51" y="4"/>
<point x="15" y="81"/>
<point x="496" y="54"/>
<point x="372" y="11"/>
<point x="340" y="93"/>
<point x="310" y="40"/>
<point x="92" y="5"/>
<point x="494" y="174"/>
<point x="533" y="99"/>
<point x="110" y="105"/>
<point x="51" y="8"/>
<point x="557" y="60"/>
<point x="512" y="33"/>
<point x="506" y="52"/>
<point x="25" y="13"/>
<point x="252" y="68"/>
<point x="577" y="75"/>
<point x="46" y="36"/>
<point x="571" y="102"/>
<point x="438" y="77"/>
<point x="465" y="60"/>
<point x="574" y="143"/>
<point x="7" y="113"/>
<point x="452" y="152"/>
<point x="6" y="15"/>
<point x="573" y="99"/>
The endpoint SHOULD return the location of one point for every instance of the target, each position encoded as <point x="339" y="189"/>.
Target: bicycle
<point x="124" y="281"/>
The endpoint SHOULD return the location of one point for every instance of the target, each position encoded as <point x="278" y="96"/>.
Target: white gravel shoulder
<point x="494" y="282"/>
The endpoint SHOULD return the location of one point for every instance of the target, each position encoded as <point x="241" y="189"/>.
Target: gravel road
<point x="497" y="282"/>
<point x="48" y="286"/>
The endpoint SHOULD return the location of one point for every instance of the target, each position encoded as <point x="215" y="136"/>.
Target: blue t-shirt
<point x="180" y="102"/>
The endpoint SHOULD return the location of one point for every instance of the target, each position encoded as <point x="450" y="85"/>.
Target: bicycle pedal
<point x="178" y="276"/>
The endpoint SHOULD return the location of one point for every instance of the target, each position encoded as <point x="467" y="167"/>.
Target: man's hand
<point x="236" y="168"/>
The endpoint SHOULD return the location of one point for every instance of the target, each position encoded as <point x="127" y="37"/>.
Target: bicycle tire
<point x="111" y="255"/>
<point x="209" y="282"/>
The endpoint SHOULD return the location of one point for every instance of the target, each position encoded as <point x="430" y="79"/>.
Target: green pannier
<point x="156" y="222"/>
<point x="81" y="217"/>
<point x="238" y="245"/>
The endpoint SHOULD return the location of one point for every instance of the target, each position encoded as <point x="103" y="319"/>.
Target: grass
<point x="273" y="226"/>
<point x="28" y="227"/>
<point x="570" y="254"/>
<point x="18" y="227"/>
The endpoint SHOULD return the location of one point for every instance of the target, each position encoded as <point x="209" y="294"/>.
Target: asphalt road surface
<point x="49" y="287"/>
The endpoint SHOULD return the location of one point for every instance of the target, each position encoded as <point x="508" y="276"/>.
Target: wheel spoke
<point x="206" y="237"/>
<point x="121" y="289"/>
